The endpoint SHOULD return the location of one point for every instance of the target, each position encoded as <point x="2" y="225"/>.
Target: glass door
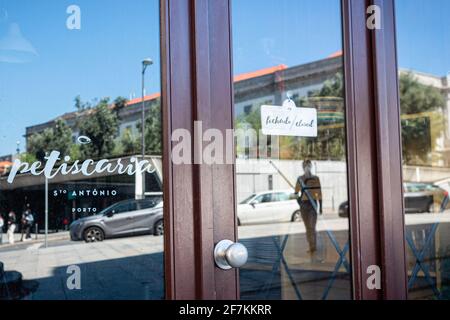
<point x="81" y="198"/>
<point x="424" y="65"/>
<point x="290" y="116"/>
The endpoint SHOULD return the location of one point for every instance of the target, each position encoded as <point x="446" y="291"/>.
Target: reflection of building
<point x="439" y="152"/>
<point x="129" y="117"/>
<point x="270" y="86"/>
<point x="266" y="86"/>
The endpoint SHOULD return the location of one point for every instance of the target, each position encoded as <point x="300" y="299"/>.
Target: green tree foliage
<point x="422" y="121"/>
<point x="58" y="137"/>
<point x="28" y="157"/>
<point x="120" y="103"/>
<point x="333" y="87"/>
<point x="101" y="126"/>
<point x="418" y="98"/>
<point x="80" y="105"/>
<point x="250" y="120"/>
<point x="129" y="143"/>
<point x="153" y="130"/>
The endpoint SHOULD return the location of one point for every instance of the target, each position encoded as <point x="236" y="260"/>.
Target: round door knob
<point x="228" y="254"/>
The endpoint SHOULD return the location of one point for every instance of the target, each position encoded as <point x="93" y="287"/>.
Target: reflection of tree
<point x="129" y="143"/>
<point x="101" y="127"/>
<point x="99" y="121"/>
<point x="250" y="120"/>
<point x="333" y="87"/>
<point x="422" y="121"/>
<point x="418" y="98"/>
<point x="58" y="137"/>
<point x="153" y="130"/>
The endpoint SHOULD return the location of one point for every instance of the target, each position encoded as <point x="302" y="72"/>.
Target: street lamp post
<point x="46" y="213"/>
<point x="145" y="63"/>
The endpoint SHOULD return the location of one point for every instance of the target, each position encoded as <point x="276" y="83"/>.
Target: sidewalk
<point x="125" y="268"/>
<point x="62" y="235"/>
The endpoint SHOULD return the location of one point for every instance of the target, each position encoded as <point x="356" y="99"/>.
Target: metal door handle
<point x="228" y="254"/>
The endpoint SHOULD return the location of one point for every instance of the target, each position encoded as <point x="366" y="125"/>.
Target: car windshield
<point x="247" y="200"/>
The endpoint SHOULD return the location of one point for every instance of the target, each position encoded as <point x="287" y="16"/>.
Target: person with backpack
<point x="29" y="220"/>
<point x="310" y="201"/>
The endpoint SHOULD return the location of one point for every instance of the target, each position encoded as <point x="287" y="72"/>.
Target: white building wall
<point x="253" y="176"/>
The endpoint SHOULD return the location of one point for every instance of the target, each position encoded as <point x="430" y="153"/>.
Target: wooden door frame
<point x="197" y="85"/>
<point x="389" y="151"/>
<point x="374" y="150"/>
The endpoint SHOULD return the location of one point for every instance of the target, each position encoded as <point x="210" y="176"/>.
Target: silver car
<point x="125" y="218"/>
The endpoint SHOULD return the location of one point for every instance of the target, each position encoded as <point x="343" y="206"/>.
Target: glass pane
<point x="298" y="244"/>
<point x="80" y="196"/>
<point x="424" y="66"/>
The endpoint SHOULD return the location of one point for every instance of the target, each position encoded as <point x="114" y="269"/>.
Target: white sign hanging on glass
<point x="288" y="120"/>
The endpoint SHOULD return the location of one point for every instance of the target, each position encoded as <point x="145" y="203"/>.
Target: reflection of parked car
<point x="423" y="197"/>
<point x="125" y="218"/>
<point x="268" y="207"/>
<point x="419" y="198"/>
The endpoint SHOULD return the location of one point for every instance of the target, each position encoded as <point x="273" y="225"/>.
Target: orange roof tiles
<point x="146" y="98"/>
<point x="259" y="73"/>
<point x="335" y="55"/>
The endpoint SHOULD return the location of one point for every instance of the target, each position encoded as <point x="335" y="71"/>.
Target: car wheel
<point x="296" y="216"/>
<point x="94" y="234"/>
<point x="158" y="229"/>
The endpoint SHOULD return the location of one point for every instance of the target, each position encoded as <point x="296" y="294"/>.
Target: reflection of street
<point x="427" y="218"/>
<point x="280" y="229"/>
<point x="127" y="268"/>
<point x="132" y="268"/>
<point x="279" y="266"/>
<point x="428" y="252"/>
<point x="35" y="242"/>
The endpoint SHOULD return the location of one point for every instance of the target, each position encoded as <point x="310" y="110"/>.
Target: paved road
<point x="40" y="238"/>
<point x="132" y="268"/>
<point x="128" y="268"/>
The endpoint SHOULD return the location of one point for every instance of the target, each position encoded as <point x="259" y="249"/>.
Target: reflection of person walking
<point x="309" y="184"/>
<point x="23" y="225"/>
<point x="27" y="223"/>
<point x="2" y="223"/>
<point x="11" y="226"/>
<point x="30" y="222"/>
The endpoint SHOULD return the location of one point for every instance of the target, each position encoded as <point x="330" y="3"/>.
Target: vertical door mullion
<point x="361" y="143"/>
<point x="391" y="203"/>
<point x="199" y="198"/>
<point x="178" y="185"/>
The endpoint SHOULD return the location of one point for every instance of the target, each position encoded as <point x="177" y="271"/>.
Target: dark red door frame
<point x="374" y="150"/>
<point x="177" y="99"/>
<point x="361" y="146"/>
<point x="389" y="151"/>
<point x="199" y="199"/>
